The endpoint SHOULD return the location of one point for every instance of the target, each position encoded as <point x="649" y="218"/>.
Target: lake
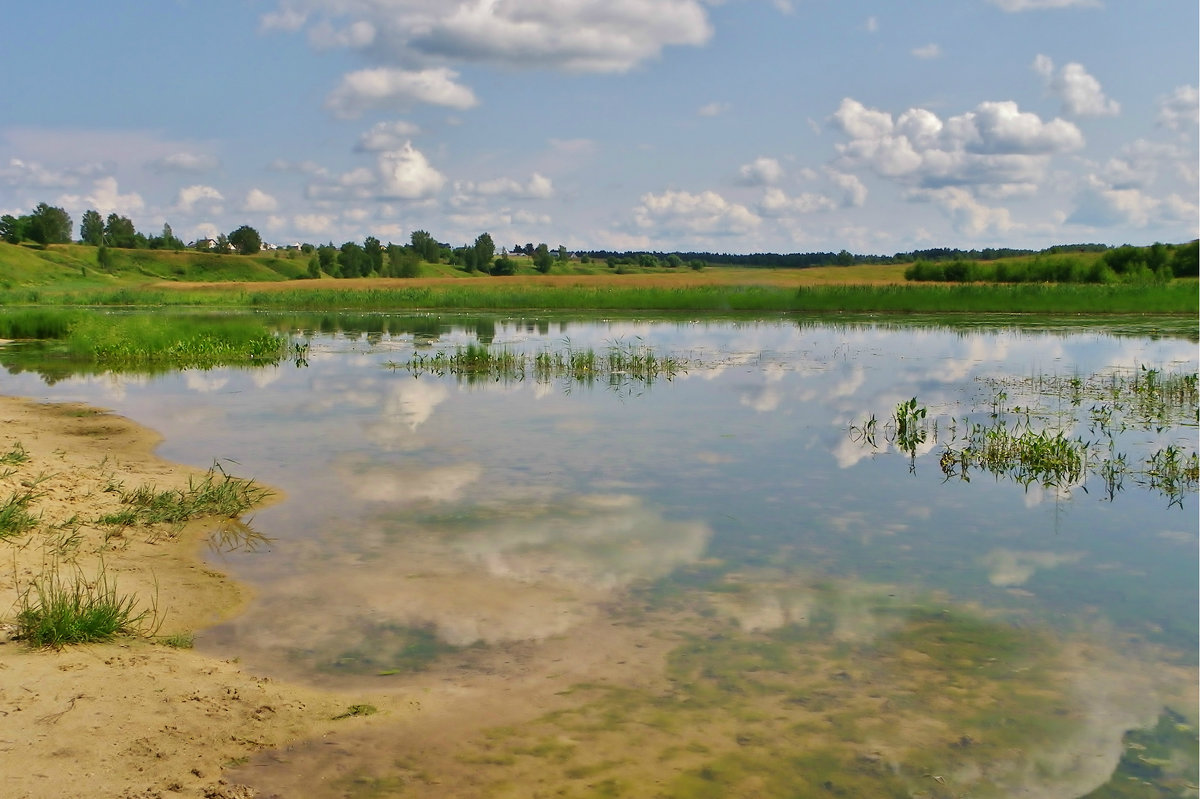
<point x="712" y="558"/>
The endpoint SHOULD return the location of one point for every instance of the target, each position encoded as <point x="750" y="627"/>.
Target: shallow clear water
<point x="485" y="545"/>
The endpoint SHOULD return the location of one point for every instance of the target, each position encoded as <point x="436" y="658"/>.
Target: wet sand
<point x="133" y="718"/>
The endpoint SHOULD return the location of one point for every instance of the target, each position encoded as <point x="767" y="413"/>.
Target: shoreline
<point x="132" y="717"/>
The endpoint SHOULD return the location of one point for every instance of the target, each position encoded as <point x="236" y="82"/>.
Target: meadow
<point x="61" y="275"/>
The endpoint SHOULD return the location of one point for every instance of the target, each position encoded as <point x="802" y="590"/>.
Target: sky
<point x="733" y="126"/>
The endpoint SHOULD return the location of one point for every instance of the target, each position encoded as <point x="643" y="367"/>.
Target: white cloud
<point x="1079" y="92"/>
<point x="386" y="136"/>
<point x="706" y="213"/>
<point x="1012" y="6"/>
<point x="927" y="52"/>
<point x="407" y="175"/>
<point x="871" y="25"/>
<point x="356" y="36"/>
<point x="995" y="145"/>
<point x="20" y="172"/>
<point x="776" y="203"/>
<point x="576" y="35"/>
<point x="854" y="193"/>
<point x="1180" y="111"/>
<point x="389" y="88"/>
<point x="258" y="201"/>
<point x="185" y="162"/>
<point x="318" y="224"/>
<point x="539" y="187"/>
<point x="106" y="198"/>
<point x="1099" y="204"/>
<point x="713" y="109"/>
<point x="191" y="198"/>
<point x="760" y="172"/>
<point x="969" y="216"/>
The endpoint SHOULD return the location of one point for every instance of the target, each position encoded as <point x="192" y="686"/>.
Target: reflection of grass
<point x="619" y="365"/>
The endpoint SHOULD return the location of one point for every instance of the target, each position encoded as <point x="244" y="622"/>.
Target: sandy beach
<point x="135" y="717"/>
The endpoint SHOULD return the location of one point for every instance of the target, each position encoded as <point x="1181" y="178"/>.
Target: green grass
<point x="15" y="518"/>
<point x="147" y="340"/>
<point x="1176" y="297"/>
<point x="217" y="494"/>
<point x="56" y="612"/>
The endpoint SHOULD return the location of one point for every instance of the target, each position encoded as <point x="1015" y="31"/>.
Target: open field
<point x="63" y="279"/>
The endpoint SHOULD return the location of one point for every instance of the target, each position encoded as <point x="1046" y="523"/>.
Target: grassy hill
<point x="70" y="266"/>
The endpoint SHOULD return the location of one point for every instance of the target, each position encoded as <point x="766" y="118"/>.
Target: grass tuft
<point x="56" y="612"/>
<point x="217" y="494"/>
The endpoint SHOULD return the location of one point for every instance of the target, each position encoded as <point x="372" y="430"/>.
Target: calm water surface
<point x="701" y="586"/>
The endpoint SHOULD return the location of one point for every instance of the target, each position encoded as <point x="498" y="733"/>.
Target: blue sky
<point x="735" y="126"/>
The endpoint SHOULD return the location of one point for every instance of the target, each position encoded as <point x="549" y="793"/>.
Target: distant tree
<point x="562" y="254"/>
<point x="674" y="261"/>
<point x="246" y="240"/>
<point x="403" y="261"/>
<point x="374" y="252"/>
<point x="91" y="228"/>
<point x="104" y="258"/>
<point x="485" y="251"/>
<point x="648" y="260"/>
<point x="529" y="249"/>
<point x="314" y="266"/>
<point x="49" y="225"/>
<point x="504" y="266"/>
<point x="353" y="260"/>
<point x="223" y="244"/>
<point x="12" y="228"/>
<point x="844" y="258"/>
<point x="119" y="232"/>
<point x="327" y="258"/>
<point x="541" y="259"/>
<point x="1185" y="261"/>
<point x="307" y="248"/>
<point x="426" y="246"/>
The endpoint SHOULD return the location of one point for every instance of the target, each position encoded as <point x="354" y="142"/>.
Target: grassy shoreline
<point x="582" y="294"/>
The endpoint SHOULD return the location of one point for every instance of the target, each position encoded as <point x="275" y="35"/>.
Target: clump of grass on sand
<point x="217" y="494"/>
<point x="58" y="611"/>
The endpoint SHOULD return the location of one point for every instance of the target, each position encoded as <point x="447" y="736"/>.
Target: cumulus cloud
<point x="316" y="224"/>
<point x="706" y="214"/>
<point x="968" y="215"/>
<point x="406" y="174"/>
<point x="1079" y="92"/>
<point x="853" y="191"/>
<point x="927" y="52"/>
<point x="776" y="203"/>
<point x="994" y="145"/>
<point x="258" y="201"/>
<point x="192" y="198"/>
<point x="1012" y="6"/>
<point x="760" y="172"/>
<point x="185" y="162"/>
<point x="106" y="198"/>
<point x="386" y="136"/>
<point x="577" y="35"/>
<point x="386" y="87"/>
<point x="19" y="172"/>
<point x="713" y="109"/>
<point x="1100" y="204"/>
<point x="1180" y="111"/>
<point x="539" y="187"/>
